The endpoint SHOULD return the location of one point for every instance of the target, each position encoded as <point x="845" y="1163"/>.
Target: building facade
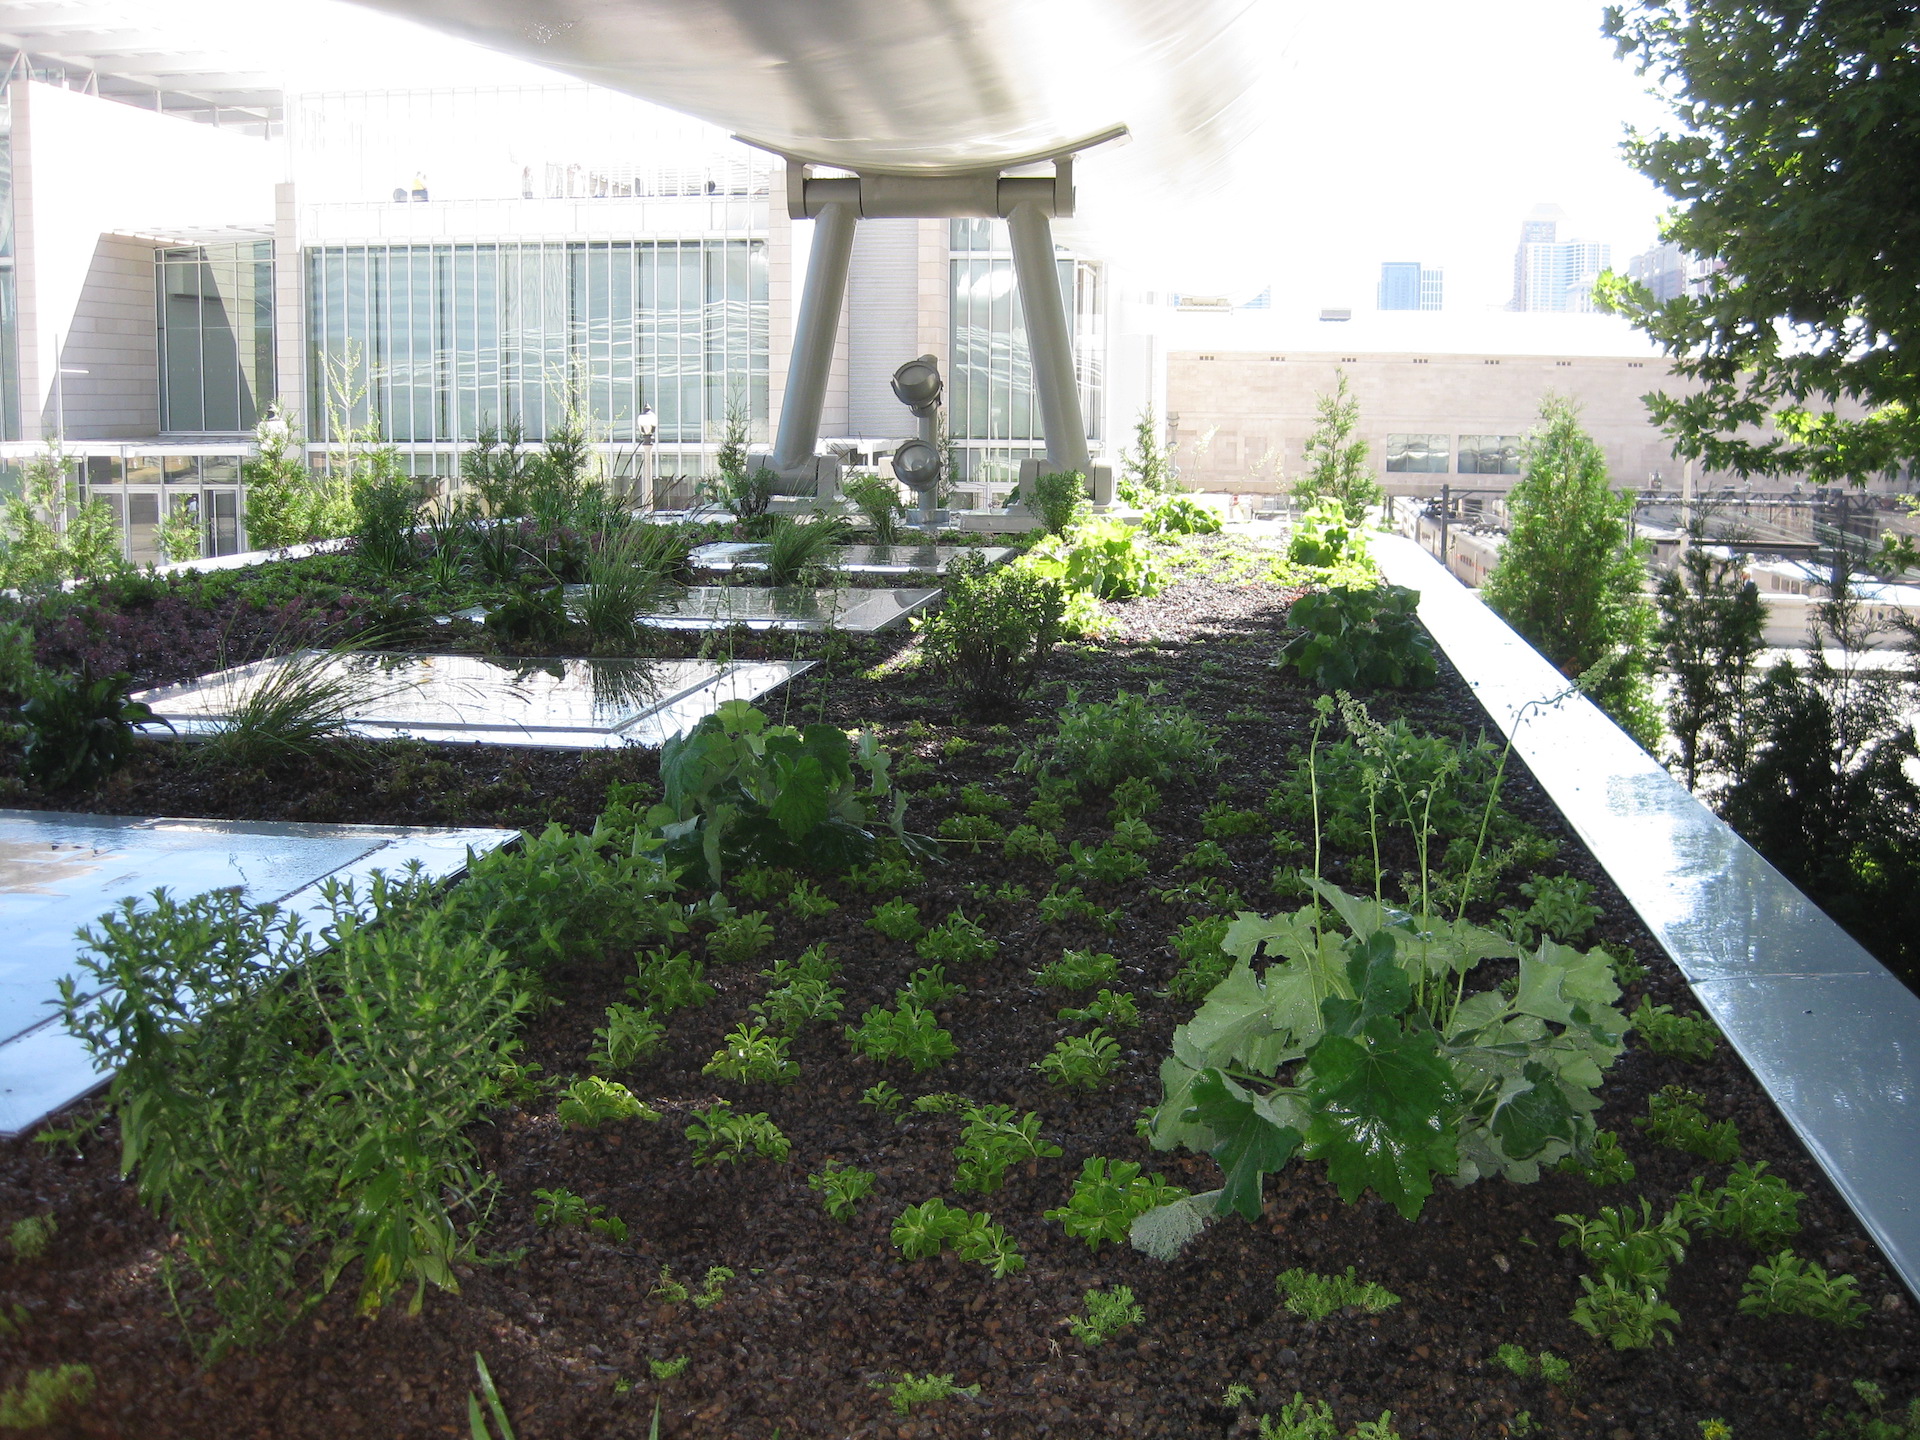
<point x="1408" y="285"/>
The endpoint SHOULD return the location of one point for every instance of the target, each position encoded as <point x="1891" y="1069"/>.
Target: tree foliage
<point x="1709" y="635"/>
<point x="1337" y="462"/>
<point x="1569" y="579"/>
<point x="1147" y="471"/>
<point x="1795" y="159"/>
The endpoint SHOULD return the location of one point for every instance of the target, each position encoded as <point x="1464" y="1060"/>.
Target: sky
<point x="1394" y="130"/>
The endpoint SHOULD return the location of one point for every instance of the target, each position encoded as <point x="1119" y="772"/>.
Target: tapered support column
<point x="1049" y="344"/>
<point x="814" y="334"/>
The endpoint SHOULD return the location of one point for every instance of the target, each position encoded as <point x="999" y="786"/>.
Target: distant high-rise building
<point x="1406" y="285"/>
<point x="1663" y="270"/>
<point x="1554" y="274"/>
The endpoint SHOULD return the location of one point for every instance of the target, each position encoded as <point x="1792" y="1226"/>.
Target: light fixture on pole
<point x="646" y="425"/>
<point x="916" y="463"/>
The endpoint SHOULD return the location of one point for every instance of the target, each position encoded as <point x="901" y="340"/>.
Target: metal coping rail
<point x="1827" y="1029"/>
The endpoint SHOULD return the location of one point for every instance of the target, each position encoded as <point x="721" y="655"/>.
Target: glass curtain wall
<point x="429" y="343"/>
<point x="216" y="336"/>
<point x="9" y="321"/>
<point x="992" y="412"/>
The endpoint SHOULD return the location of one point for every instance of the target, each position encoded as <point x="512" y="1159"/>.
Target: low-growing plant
<point x="1222" y="821"/>
<point x="1788" y="1285"/>
<point x="1072" y="904"/>
<point x="957" y="941"/>
<point x="628" y="1037"/>
<point x="1762" y="1210"/>
<point x="929" y="1389"/>
<point x="1097" y="746"/>
<point x="1360" y="638"/>
<point x="28" y="1239"/>
<point x="1327" y="537"/>
<point x="993" y="633"/>
<point x="928" y="987"/>
<point x="976" y="799"/>
<point x="720" y="1136"/>
<point x="1102" y="864"/>
<point x="1207" y="855"/>
<point x="798" y="551"/>
<point x="1684" y="1037"/>
<point x="1877" y="1423"/>
<point x="923" y="1231"/>
<point x="1135" y="798"/>
<point x="1109" y="1007"/>
<point x="591" y="1102"/>
<point x="663" y="1370"/>
<point x="750" y="1056"/>
<point x="1605" y="1163"/>
<point x="1058" y="498"/>
<point x="1676" y="1119"/>
<point x="1197" y="943"/>
<point x="992" y="1143"/>
<point x="1107" y="1197"/>
<point x="43" y="1395"/>
<point x="1560" y="911"/>
<point x="667" y="1290"/>
<point x="942" y="1102"/>
<point x="1130" y="833"/>
<point x="79" y="728"/>
<point x="909" y="1033"/>
<point x="805" y="1000"/>
<point x="972" y="831"/>
<point x="1639" y="1252"/>
<point x="1078" y="970"/>
<point x="1299" y="1419"/>
<point x="841" y="1188"/>
<point x="1315" y="1297"/>
<point x="668" y="982"/>
<point x="809" y="901"/>
<point x="1082" y="1062"/>
<point x="713" y="1287"/>
<point x="888" y="875"/>
<point x="1025" y="842"/>
<point x="563" y="1207"/>
<point x="898" y="919"/>
<point x="1102" y="558"/>
<point x="739" y="938"/>
<point x="762" y="882"/>
<point x="1107" y="1313"/>
<point x="884" y="1097"/>
<point x="1625" y="1316"/>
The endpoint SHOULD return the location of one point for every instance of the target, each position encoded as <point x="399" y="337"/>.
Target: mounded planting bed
<point x="819" y="1312"/>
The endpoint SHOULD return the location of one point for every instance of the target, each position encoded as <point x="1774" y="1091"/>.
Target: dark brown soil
<point x="820" y="1312"/>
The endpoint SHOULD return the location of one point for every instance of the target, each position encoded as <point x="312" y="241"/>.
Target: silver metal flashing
<point x="59" y="873"/>
<point x="853" y="560"/>
<point x="1824" y="1026"/>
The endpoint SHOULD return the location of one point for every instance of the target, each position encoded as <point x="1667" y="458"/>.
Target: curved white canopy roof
<point x="938" y="85"/>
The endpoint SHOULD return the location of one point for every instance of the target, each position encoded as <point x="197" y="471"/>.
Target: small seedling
<point x="1077" y="970"/>
<point x="1627" y="970"/>
<point x="1081" y="1061"/>
<point x="957" y="941"/>
<point x="1107" y="1313"/>
<point x="667" y="1290"/>
<point x="928" y="987"/>
<point x="1559" y="911"/>
<point x="1676" y="1119"/>
<point x="720" y="1136"/>
<point x="1792" y="1286"/>
<point x="883" y="1097"/>
<point x="1638" y="1252"/>
<point x="976" y="799"/>
<point x="563" y="1207"/>
<point x="1715" y="1430"/>
<point x="1207" y="855"/>
<point x="841" y="1188"/>
<point x="1135" y="797"/>
<point x="1625" y="1317"/>
<point x="1221" y="821"/>
<point x="14" y="1321"/>
<point x="591" y="1102"/>
<point x="28" y="1238"/>
<point x="922" y="1231"/>
<point x="941" y="1102"/>
<point x="667" y="1369"/>
<point x="1300" y="1419"/>
<point x="992" y="1143"/>
<point x="1135" y="835"/>
<point x="888" y="877"/>
<point x="750" y="1056"/>
<point x="665" y="983"/>
<point x="898" y="919"/>
<point x="788" y="1009"/>
<point x="739" y="938"/>
<point x="759" y="882"/>
<point x="812" y="963"/>
<point x="1684" y="1037"/>
<point x="911" y="1390"/>
<point x="712" y="1288"/>
<point x="1236" y="1395"/>
<point x="970" y="831"/>
<point x="1109" y="1007"/>
<point x="1762" y="1210"/>
<point x="1102" y="864"/>
<point x="909" y="1033"/>
<point x="1027" y="842"/>
<point x="1107" y="1197"/>
<point x="809" y="901"/>
<point x="1058" y="905"/>
<point x="1315" y="1297"/>
<point x="630" y="1035"/>
<point x="1605" y="1164"/>
<point x="1198" y="942"/>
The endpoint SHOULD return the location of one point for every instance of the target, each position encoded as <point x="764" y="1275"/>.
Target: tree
<point x="1709" y="635"/>
<point x="1337" y="466"/>
<point x="1569" y="579"/>
<point x="285" y="505"/>
<point x="1795" y="160"/>
<point x="1147" y="471"/>
<point x="48" y="535"/>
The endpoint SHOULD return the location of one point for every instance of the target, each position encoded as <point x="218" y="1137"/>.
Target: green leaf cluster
<point x="1107" y="1313"/>
<point x="957" y="940"/>
<point x="1762" y="1210"/>
<point x="750" y="1056"/>
<point x="1360" y="639"/>
<point x="628" y="1037"/>
<point x="669" y="982"/>
<point x="721" y="1136"/>
<point x="590" y="1102"/>
<point x="1366" y="1051"/>
<point x="1315" y="1297"/>
<point x="1626" y="1316"/>
<point x="1685" y="1037"/>
<point x="841" y="1188"/>
<point x="1638" y="1251"/>
<point x="1078" y="970"/>
<point x="1788" y="1285"/>
<point x="1560" y="910"/>
<point x="1676" y="1118"/>
<point x="1106" y="559"/>
<point x="1081" y="1062"/>
<point x="737" y="938"/>
<point x="911" y="1390"/>
<point x="1110" y="864"/>
<point x="1107" y="1197"/>
<point x="992" y="1143"/>
<point x="1096" y="745"/>
<point x="923" y="1231"/>
<point x="1109" y="1007"/>
<point x="907" y="1033"/>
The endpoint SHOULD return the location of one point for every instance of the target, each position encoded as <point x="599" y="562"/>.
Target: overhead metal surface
<point x="938" y="86"/>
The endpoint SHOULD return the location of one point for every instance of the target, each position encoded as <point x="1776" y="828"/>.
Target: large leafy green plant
<point x="1364" y="637"/>
<point x="79" y="728"/>
<point x="1362" y="1046"/>
<point x="741" y="791"/>
<point x="1103" y="558"/>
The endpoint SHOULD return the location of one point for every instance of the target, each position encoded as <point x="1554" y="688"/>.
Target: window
<point x="216" y="336"/>
<point x="1489" y="454"/>
<point x="1417" y="454"/>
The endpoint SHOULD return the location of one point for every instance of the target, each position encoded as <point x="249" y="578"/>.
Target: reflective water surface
<point x="853" y="559"/>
